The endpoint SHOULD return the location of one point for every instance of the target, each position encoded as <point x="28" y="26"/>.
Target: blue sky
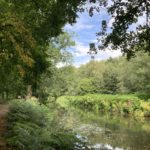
<point x="85" y="32"/>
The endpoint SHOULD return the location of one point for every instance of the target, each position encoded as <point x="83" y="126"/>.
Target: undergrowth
<point x="121" y="104"/>
<point x="30" y="127"/>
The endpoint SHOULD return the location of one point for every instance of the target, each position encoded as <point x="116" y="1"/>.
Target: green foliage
<point x="27" y="121"/>
<point x="122" y="104"/>
<point x="44" y="69"/>
<point x="85" y="86"/>
<point x="134" y="74"/>
<point x="111" y="77"/>
<point x="31" y="127"/>
<point x="123" y="35"/>
<point x="59" y="83"/>
<point x="28" y="29"/>
<point x="32" y="44"/>
<point x="110" y="82"/>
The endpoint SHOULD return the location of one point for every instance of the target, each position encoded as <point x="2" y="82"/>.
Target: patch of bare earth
<point x="3" y="113"/>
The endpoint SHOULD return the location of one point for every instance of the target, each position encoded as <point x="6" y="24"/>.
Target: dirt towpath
<point x="3" y="112"/>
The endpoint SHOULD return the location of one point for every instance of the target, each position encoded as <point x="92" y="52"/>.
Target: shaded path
<point x="3" y="112"/>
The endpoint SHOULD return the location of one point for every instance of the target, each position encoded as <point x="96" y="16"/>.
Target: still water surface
<point x="107" y="132"/>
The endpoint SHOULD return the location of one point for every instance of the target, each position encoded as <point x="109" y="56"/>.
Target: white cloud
<point x="94" y="41"/>
<point x="60" y="64"/>
<point x="80" y="49"/>
<point x="142" y="20"/>
<point x="110" y="22"/>
<point x="103" y="55"/>
<point x="77" y="64"/>
<point x="78" y="26"/>
<point x="81" y="52"/>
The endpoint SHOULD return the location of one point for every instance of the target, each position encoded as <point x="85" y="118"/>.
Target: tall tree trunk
<point x="29" y="92"/>
<point x="3" y="95"/>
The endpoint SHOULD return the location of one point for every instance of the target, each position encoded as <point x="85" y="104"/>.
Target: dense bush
<point x="30" y="128"/>
<point x="123" y="104"/>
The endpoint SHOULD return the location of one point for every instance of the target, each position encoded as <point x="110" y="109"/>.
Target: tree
<point x="110" y="83"/>
<point x="125" y="14"/>
<point x="94" y="72"/>
<point x="55" y="81"/>
<point x="134" y="74"/>
<point x="85" y="86"/>
<point x="27" y="27"/>
<point x="17" y="43"/>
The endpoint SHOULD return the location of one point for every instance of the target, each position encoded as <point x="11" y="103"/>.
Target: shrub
<point x="123" y="104"/>
<point x="30" y="128"/>
<point x="27" y="120"/>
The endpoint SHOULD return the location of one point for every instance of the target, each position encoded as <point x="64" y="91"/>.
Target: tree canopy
<point x="27" y="30"/>
<point x="126" y="33"/>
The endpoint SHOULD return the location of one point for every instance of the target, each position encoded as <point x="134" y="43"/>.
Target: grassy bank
<point x="121" y="104"/>
<point x="31" y="127"/>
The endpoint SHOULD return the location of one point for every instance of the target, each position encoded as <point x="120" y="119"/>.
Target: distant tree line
<point x="112" y="76"/>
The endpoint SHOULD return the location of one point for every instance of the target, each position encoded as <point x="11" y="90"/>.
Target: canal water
<point x="105" y="131"/>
